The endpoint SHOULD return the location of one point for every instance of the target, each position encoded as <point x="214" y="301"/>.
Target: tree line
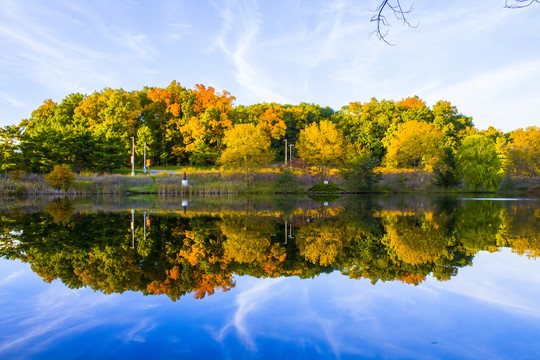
<point x="199" y="126"/>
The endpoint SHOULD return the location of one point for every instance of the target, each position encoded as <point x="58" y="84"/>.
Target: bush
<point x="324" y="188"/>
<point x="358" y="174"/>
<point x="286" y="182"/>
<point x="60" y="177"/>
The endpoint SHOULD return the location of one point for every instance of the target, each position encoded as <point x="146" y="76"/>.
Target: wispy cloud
<point x="12" y="277"/>
<point x="247" y="302"/>
<point x="138" y="332"/>
<point x="55" y="57"/>
<point x="500" y="96"/>
<point x="57" y="312"/>
<point x="241" y="22"/>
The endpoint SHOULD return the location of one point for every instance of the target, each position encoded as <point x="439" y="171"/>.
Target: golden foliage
<point x="415" y="239"/>
<point x="322" y="144"/>
<point x="415" y="145"/>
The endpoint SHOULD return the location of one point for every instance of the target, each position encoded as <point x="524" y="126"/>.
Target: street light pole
<point x="132" y="156"/>
<point x="144" y="167"/>
<point x="285" y="151"/>
<point x="291" y="146"/>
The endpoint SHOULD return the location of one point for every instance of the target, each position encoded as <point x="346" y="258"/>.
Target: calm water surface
<point x="356" y="277"/>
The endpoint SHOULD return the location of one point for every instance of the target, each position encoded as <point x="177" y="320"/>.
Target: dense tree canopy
<point x="183" y="126"/>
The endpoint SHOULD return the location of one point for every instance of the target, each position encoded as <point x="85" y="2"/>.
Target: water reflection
<point x="163" y="249"/>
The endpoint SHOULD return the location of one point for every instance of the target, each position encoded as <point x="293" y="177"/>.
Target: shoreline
<point x="234" y="183"/>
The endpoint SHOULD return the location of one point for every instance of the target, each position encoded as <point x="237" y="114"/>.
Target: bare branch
<point x="394" y="6"/>
<point x="518" y="4"/>
<point x="399" y="12"/>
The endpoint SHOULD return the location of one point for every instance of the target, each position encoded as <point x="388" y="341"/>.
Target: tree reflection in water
<point x="199" y="252"/>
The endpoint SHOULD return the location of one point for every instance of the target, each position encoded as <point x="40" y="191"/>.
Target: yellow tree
<point x="322" y="243"/>
<point x="523" y="154"/>
<point x="249" y="241"/>
<point x="247" y="148"/>
<point x="322" y="145"/>
<point x="417" y="239"/>
<point x="416" y="145"/>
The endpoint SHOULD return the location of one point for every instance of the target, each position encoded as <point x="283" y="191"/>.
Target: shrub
<point x="286" y="182"/>
<point x="60" y="177"/>
<point x="359" y="173"/>
<point x="325" y="188"/>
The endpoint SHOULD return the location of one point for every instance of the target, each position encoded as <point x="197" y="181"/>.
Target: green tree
<point x="445" y="170"/>
<point x="144" y="136"/>
<point x="322" y="145"/>
<point x="358" y="173"/>
<point x="9" y="146"/>
<point x="479" y="163"/>
<point x="366" y="125"/>
<point x="454" y="126"/>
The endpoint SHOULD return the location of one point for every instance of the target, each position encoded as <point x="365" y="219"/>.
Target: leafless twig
<point x="518" y="4"/>
<point x="399" y="12"/>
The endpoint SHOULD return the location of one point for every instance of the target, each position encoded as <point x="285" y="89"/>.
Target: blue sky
<point x="483" y="58"/>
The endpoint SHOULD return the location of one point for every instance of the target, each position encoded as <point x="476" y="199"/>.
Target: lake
<point x="394" y="277"/>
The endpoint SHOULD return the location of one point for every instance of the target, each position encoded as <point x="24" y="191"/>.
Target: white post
<point x="290" y="152"/>
<point x="132" y="156"/>
<point x="144" y="164"/>
<point x="285" y="151"/>
<point x="132" y="228"/>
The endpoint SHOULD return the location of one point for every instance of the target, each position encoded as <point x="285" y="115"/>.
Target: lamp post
<point x="132" y="228"/>
<point x="132" y="156"/>
<point x="285" y="151"/>
<point x="291" y="148"/>
<point x="144" y="164"/>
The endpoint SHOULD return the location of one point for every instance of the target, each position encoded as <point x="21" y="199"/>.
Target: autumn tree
<point x="322" y="242"/>
<point x="249" y="241"/>
<point x="416" y="145"/>
<point x="165" y="112"/>
<point x="60" y="177"/>
<point x="247" y="147"/>
<point x="322" y="145"/>
<point x="204" y="130"/>
<point x="479" y="164"/>
<point x="523" y="152"/>
<point x="416" y="238"/>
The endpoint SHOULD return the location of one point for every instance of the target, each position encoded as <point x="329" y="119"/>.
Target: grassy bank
<point x="214" y="181"/>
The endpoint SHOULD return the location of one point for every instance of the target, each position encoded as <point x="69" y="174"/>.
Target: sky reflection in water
<point x="488" y="310"/>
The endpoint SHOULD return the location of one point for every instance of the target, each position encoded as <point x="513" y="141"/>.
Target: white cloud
<point x="247" y="303"/>
<point x="502" y="97"/>
<point x="237" y="38"/>
<point x="11" y="277"/>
